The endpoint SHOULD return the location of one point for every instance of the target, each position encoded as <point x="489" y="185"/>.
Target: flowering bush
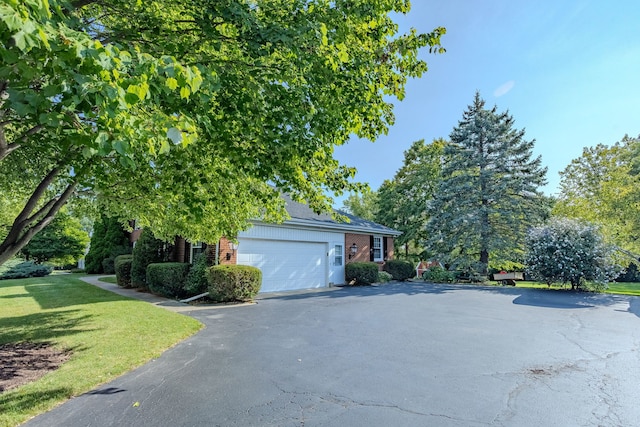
<point x="568" y="251"/>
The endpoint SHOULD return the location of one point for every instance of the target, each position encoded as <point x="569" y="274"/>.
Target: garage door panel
<point x="285" y="265"/>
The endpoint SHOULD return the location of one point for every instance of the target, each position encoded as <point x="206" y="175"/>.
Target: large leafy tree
<point x="489" y="191"/>
<point x="363" y="205"/>
<point x="62" y="241"/>
<point x="601" y="187"/>
<point x="191" y="116"/>
<point x="402" y="201"/>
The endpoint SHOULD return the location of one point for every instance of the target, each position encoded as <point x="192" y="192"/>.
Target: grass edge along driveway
<point x="107" y="335"/>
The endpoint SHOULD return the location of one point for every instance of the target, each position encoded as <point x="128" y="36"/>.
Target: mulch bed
<point x="22" y="363"/>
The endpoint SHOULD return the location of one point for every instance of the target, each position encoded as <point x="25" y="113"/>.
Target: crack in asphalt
<point x="345" y="403"/>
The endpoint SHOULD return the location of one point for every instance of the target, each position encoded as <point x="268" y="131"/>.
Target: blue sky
<point x="568" y="71"/>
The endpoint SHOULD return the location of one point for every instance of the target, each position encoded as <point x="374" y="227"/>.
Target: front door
<point x="336" y="263"/>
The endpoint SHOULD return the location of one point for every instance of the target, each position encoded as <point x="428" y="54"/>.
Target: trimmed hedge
<point x="168" y="278"/>
<point x="23" y="270"/>
<point x="233" y="282"/>
<point x="122" y="265"/>
<point x="399" y="270"/>
<point x="361" y="273"/>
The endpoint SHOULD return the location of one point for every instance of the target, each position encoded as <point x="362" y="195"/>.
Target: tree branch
<point x="22" y="231"/>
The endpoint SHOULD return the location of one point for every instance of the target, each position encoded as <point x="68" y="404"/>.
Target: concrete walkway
<point x="166" y="303"/>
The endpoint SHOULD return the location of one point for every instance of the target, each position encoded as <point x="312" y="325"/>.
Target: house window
<point x="377" y="249"/>
<point x="337" y="260"/>
<point x="196" y="249"/>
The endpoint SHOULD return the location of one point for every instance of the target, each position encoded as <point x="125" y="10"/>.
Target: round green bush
<point x="233" y="282"/>
<point x="399" y="269"/>
<point x="384" y="277"/>
<point x="122" y="266"/>
<point x="361" y="273"/>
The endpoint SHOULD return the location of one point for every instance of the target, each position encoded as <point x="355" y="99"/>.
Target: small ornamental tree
<point x="569" y="251"/>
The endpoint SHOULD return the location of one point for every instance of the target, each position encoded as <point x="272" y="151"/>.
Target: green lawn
<point x="614" y="287"/>
<point x="107" y="334"/>
<point x="624" y="288"/>
<point x="109" y="279"/>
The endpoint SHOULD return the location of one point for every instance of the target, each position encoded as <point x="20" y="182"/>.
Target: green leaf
<point x="121" y="147"/>
<point x="171" y="83"/>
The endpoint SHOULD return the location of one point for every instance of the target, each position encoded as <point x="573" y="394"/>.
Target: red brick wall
<point x="225" y="248"/>
<point x="363" y="242"/>
<point x="389" y="242"/>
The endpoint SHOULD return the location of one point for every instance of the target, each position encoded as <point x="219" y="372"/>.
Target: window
<point x="196" y="249"/>
<point x="337" y="260"/>
<point x="377" y="249"/>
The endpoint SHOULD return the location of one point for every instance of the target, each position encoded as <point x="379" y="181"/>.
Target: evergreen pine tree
<point x="488" y="194"/>
<point x="148" y="250"/>
<point x="108" y="240"/>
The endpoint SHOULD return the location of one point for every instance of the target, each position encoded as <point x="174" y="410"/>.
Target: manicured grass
<point x="107" y="334"/>
<point x="614" y="287"/>
<point x="624" y="288"/>
<point x="109" y="279"/>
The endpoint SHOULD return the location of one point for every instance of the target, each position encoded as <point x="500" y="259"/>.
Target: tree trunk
<point x="484" y="261"/>
<point x="28" y="223"/>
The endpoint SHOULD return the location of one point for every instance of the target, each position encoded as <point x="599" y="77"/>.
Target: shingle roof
<point x="302" y="214"/>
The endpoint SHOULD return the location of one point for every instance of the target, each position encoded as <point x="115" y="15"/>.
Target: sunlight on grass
<point x="107" y="334"/>
<point x="624" y="288"/>
<point x="613" y="287"/>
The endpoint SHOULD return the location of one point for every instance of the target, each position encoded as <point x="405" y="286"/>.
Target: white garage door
<point x="285" y="265"/>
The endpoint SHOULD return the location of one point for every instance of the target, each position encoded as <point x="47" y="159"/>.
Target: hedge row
<point x="168" y="278"/>
<point x="180" y="280"/>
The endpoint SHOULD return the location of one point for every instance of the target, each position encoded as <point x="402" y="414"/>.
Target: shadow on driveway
<point x="548" y="298"/>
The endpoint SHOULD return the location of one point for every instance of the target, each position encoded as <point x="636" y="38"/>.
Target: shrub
<point x="361" y="273"/>
<point x="569" y="251"/>
<point x="196" y="282"/>
<point x="23" y="270"/>
<point x="109" y="265"/>
<point x="384" y="277"/>
<point x="438" y="274"/>
<point x="233" y="282"/>
<point x="122" y="266"/>
<point x="148" y="250"/>
<point x="630" y="274"/>
<point x="109" y="239"/>
<point x="167" y="278"/>
<point x="399" y="270"/>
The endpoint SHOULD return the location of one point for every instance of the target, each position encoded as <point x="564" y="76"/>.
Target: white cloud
<point x="504" y="88"/>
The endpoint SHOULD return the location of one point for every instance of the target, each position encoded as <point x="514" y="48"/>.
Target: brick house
<point x="306" y="251"/>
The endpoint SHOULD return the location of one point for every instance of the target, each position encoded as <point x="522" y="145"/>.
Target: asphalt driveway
<point x="394" y="355"/>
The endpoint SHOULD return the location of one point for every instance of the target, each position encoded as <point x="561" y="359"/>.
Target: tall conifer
<point x="488" y="194"/>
